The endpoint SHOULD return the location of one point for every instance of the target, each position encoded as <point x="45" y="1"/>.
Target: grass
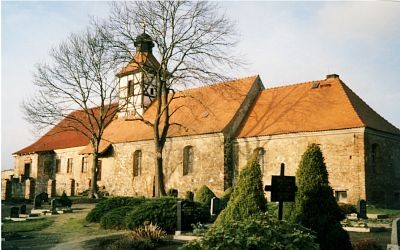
<point x="376" y="210"/>
<point x="26" y="226"/>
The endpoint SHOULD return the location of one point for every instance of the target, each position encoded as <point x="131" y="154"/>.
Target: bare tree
<point x="194" y="46"/>
<point x="79" y="77"/>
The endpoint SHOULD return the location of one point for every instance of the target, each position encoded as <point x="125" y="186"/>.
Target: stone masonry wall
<point x="382" y="153"/>
<point x="208" y="166"/>
<point x="343" y="152"/>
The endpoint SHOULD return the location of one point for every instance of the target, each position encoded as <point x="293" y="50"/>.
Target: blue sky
<point x="283" y="42"/>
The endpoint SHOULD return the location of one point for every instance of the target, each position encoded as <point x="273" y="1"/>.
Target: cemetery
<point x="201" y="220"/>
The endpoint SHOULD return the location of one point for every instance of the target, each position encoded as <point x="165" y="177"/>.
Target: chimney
<point x="332" y="76"/>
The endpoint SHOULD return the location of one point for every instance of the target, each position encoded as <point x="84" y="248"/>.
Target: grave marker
<point x="23" y="209"/>
<point x="14" y="213"/>
<point x="184" y="216"/>
<point x="282" y="188"/>
<point x="215" y="207"/>
<point x="361" y="209"/>
<point x="395" y="238"/>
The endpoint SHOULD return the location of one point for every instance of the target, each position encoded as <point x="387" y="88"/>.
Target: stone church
<point x="218" y="127"/>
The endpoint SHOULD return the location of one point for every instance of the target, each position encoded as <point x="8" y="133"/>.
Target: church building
<point x="214" y="130"/>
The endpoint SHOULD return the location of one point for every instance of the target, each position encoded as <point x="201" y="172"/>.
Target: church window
<point x="131" y="88"/>
<point x="137" y="163"/>
<point x="69" y="165"/>
<point x="152" y="91"/>
<point x="341" y="196"/>
<point x="58" y="165"/>
<point x="187" y="160"/>
<point x="260" y="158"/>
<point x="98" y="170"/>
<point x="84" y="164"/>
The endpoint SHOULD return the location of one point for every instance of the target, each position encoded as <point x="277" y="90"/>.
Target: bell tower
<point x="137" y="85"/>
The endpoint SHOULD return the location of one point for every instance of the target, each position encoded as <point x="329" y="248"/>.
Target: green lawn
<point x="26" y="226"/>
<point x="393" y="213"/>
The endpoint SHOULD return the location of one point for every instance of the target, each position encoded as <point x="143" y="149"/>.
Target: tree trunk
<point x="93" y="187"/>
<point x="159" y="180"/>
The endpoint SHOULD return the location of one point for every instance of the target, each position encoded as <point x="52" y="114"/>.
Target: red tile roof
<point x="63" y="135"/>
<point x="301" y="108"/>
<point x="198" y="111"/>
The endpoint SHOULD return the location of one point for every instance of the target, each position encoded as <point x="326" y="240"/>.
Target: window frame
<point x="69" y="165"/>
<point x="85" y="163"/>
<point x="137" y="163"/>
<point x="188" y="160"/>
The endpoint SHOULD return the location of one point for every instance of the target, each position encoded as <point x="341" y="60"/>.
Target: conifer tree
<point x="316" y="207"/>
<point x="247" y="198"/>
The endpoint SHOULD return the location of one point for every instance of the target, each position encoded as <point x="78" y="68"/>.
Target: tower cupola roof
<point x="144" y="43"/>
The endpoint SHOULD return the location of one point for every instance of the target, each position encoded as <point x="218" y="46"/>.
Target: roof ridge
<point x="218" y="83"/>
<point x="346" y="89"/>
<point x="293" y="84"/>
<point x="342" y="86"/>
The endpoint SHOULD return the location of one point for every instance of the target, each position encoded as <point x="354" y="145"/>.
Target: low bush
<point x="256" y="232"/>
<point x="148" y="231"/>
<point x="347" y="208"/>
<point x="162" y="211"/>
<point x="114" y="219"/>
<point x="204" y="195"/>
<point x="128" y="243"/>
<point x="108" y="204"/>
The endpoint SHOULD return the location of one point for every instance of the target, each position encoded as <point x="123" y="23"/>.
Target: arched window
<point x="260" y="157"/>
<point x="187" y="160"/>
<point x="137" y="163"/>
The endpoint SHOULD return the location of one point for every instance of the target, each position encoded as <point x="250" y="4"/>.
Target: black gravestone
<point x="14" y="212"/>
<point x="184" y="215"/>
<point x="22" y="209"/>
<point x="361" y="209"/>
<point x="39" y="198"/>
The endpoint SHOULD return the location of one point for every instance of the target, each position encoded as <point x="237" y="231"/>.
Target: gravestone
<point x="215" y="207"/>
<point x="54" y="205"/>
<point x="23" y="209"/>
<point x="39" y="199"/>
<point x="14" y="212"/>
<point x="395" y="239"/>
<point x="184" y="216"/>
<point x="361" y="209"/>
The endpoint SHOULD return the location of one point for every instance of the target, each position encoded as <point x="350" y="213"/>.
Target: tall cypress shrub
<point x="316" y="207"/>
<point x="247" y="198"/>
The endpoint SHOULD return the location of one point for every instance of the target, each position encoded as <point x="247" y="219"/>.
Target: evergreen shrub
<point x="204" y="195"/>
<point x="315" y="205"/>
<point x="347" y="208"/>
<point x="259" y="231"/>
<point x="108" y="204"/>
<point x="162" y="211"/>
<point x="247" y="198"/>
<point x="114" y="219"/>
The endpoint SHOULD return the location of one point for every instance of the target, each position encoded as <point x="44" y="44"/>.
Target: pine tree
<point x="316" y="207"/>
<point x="247" y="198"/>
